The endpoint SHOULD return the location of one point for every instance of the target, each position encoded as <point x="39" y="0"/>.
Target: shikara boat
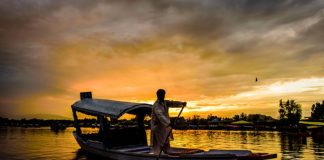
<point x="130" y="142"/>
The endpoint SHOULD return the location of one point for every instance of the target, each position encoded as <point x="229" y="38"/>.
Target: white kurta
<point x="160" y="124"/>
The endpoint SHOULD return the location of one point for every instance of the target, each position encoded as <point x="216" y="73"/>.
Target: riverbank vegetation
<point x="290" y="114"/>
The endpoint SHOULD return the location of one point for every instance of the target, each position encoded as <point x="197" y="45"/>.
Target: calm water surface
<point x="41" y="143"/>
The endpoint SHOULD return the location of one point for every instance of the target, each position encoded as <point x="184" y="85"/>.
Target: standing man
<point x="160" y="122"/>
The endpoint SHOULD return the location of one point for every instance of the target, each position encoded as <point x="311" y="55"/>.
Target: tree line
<point x="290" y="113"/>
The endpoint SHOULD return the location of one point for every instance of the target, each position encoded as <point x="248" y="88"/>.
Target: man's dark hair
<point x="160" y="93"/>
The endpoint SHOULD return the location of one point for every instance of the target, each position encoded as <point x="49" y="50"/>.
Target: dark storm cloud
<point x="224" y="17"/>
<point x="205" y="21"/>
<point x="235" y="38"/>
<point x="39" y="22"/>
<point x="26" y="28"/>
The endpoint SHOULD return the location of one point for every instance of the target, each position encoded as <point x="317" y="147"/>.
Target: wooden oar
<point x="169" y="134"/>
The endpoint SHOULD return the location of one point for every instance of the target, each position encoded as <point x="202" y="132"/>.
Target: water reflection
<point x="243" y="135"/>
<point x="318" y="146"/>
<point x="41" y="143"/>
<point x="292" y="147"/>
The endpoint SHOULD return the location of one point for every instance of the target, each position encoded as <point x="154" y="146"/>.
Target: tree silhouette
<point x="282" y="110"/>
<point x="195" y="119"/>
<point x="236" y="117"/>
<point x="317" y="111"/>
<point x="259" y="118"/>
<point x="290" y="112"/>
<point x="211" y="117"/>
<point x="243" y="116"/>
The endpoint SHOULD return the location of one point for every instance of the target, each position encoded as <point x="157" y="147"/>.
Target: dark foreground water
<point x="41" y="143"/>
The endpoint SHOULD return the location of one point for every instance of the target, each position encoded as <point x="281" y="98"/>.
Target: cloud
<point x="126" y="50"/>
<point x="262" y="98"/>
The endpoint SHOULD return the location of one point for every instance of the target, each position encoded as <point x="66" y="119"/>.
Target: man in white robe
<point x="160" y="122"/>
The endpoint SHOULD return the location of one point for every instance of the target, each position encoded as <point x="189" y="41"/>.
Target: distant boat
<point x="129" y="143"/>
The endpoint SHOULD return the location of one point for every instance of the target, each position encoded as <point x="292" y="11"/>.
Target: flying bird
<point x="256" y="79"/>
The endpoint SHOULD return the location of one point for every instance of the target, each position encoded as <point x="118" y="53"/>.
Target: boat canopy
<point x="110" y="108"/>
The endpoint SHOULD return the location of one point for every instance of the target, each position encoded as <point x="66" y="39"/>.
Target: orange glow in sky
<point x="207" y="53"/>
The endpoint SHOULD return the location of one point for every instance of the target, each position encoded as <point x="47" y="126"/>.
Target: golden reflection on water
<point x="219" y="139"/>
<point x="287" y="147"/>
<point x="38" y="143"/>
<point x="41" y="143"/>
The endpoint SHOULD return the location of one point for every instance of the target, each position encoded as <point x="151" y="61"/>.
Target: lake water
<point x="42" y="143"/>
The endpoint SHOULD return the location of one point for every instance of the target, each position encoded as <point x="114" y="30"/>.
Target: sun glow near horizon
<point x="261" y="99"/>
<point x="263" y="96"/>
<point x="207" y="53"/>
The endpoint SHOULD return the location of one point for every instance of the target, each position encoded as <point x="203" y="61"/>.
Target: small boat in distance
<point x="129" y="143"/>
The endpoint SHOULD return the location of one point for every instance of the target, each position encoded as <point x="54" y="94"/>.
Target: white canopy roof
<point x="111" y="108"/>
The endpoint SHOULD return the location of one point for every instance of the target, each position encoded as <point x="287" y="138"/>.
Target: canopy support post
<point x="103" y="130"/>
<point x="76" y="123"/>
<point x="141" y="127"/>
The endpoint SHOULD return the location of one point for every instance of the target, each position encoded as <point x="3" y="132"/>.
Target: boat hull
<point x="97" y="148"/>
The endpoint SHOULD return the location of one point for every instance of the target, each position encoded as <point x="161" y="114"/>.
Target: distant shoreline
<point x="92" y="123"/>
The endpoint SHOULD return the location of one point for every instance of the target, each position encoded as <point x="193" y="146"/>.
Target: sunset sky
<point x="205" y="52"/>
